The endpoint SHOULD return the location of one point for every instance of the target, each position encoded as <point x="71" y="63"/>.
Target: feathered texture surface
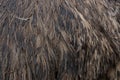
<point x="59" y="39"/>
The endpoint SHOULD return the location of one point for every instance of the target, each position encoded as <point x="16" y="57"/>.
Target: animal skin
<point x="59" y="39"/>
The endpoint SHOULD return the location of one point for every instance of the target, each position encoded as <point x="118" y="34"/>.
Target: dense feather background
<point x="59" y="40"/>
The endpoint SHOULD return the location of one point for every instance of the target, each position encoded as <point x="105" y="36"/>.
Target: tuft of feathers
<point x="59" y="39"/>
